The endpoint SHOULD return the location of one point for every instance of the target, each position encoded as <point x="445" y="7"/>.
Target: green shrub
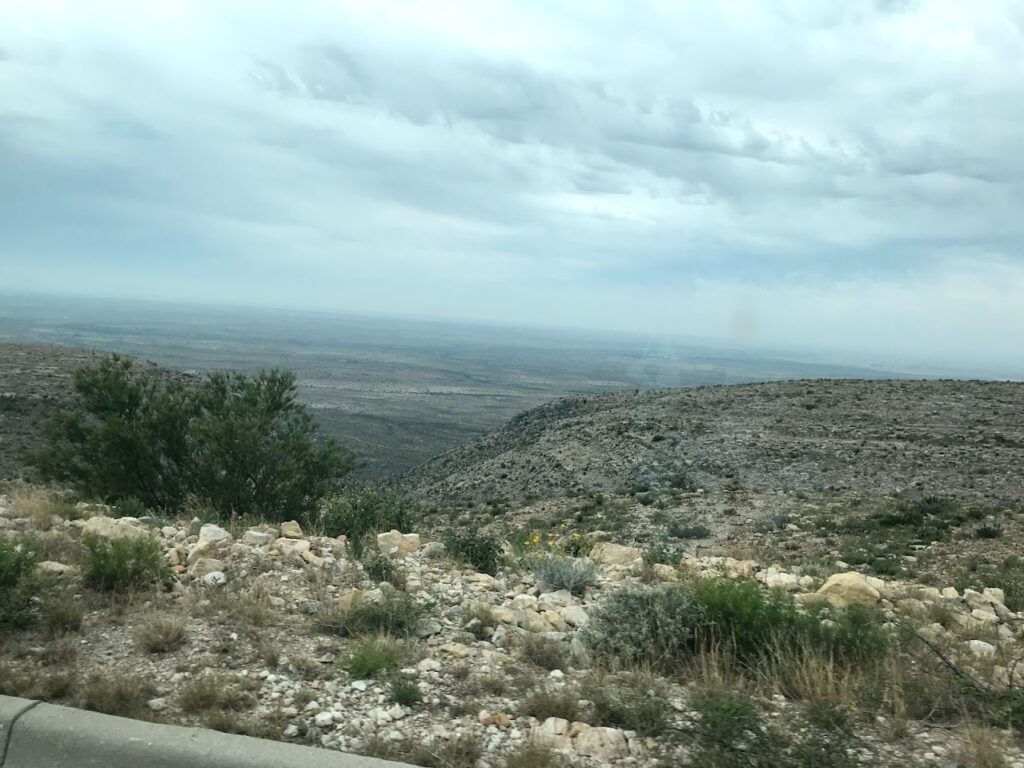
<point x="662" y="553"/>
<point x="380" y="568"/>
<point x="679" y="530"/>
<point x="132" y="507"/>
<point x="545" y="702"/>
<point x="728" y="722"/>
<point x="545" y="652"/>
<point x="370" y="655"/>
<point x="668" y="625"/>
<point x="243" y="443"/>
<point x="17" y="560"/>
<point x="476" y="549"/>
<point x="646" y="624"/>
<point x="405" y="692"/>
<point x="118" y="565"/>
<point x="634" y="701"/>
<point x="361" y="512"/>
<point x="569" y="573"/>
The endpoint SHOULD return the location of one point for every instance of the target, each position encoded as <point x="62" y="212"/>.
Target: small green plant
<point x="405" y="692"/>
<point x="988" y="531"/>
<point x="544" y="702"/>
<point x="476" y="549"/>
<point x="358" y="513"/>
<point x="631" y="700"/>
<point x="123" y="564"/>
<point x="729" y="723"/>
<point x="17" y="560"/>
<point x="381" y="568"/>
<point x="545" y="652"/>
<point x="534" y="755"/>
<point x="132" y="507"/>
<point x="662" y="553"/>
<point x="571" y="573"/>
<point x="678" y="530"/>
<point x="372" y="655"/>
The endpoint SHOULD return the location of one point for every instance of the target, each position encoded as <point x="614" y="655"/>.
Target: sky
<point x="844" y="176"/>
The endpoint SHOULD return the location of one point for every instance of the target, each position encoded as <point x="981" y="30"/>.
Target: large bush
<point x="126" y="435"/>
<point x="242" y="443"/>
<point x="121" y="565"/>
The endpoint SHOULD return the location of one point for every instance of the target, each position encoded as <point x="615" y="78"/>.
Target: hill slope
<point x="946" y="437"/>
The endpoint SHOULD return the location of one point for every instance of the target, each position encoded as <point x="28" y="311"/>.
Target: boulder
<point x="397" y="544"/>
<point x="291" y="546"/>
<point x="574" y="616"/>
<point x="554" y="733"/>
<point x="256" y="537"/>
<point x="981" y="649"/>
<point x="53" y="568"/>
<point x="602" y="744"/>
<point x="848" y="589"/>
<point x="214" y="534"/>
<point x="111" y="528"/>
<point x="291" y="530"/>
<point x="605" y="553"/>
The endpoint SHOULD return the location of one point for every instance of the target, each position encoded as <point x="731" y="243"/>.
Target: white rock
<point x="255" y="537"/>
<point x="214" y="534"/>
<point x="110" y="528"/>
<point x="323" y="719"/>
<point x="291" y="530"/>
<point x="157" y="705"/>
<point x="981" y="649"/>
<point x="215" y="579"/>
<point x="574" y="616"/>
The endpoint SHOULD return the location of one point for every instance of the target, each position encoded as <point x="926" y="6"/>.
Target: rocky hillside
<point x="947" y="438"/>
<point x="410" y="653"/>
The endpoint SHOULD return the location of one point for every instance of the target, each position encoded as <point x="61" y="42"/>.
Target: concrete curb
<point x="38" y="735"/>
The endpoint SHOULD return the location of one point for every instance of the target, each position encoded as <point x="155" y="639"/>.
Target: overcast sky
<point x="843" y="175"/>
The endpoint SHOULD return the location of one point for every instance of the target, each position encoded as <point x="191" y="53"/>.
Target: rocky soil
<point x="253" y="607"/>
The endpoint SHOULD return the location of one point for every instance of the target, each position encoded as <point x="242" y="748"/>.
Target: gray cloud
<point x="613" y="165"/>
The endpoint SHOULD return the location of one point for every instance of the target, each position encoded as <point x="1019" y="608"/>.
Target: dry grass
<point x="534" y="755"/>
<point x="217" y="691"/>
<point x="40" y="507"/>
<point x="42" y="683"/>
<point x="980" y="748"/>
<point x="113" y="693"/>
<point x="62" y="614"/>
<point x="160" y="633"/>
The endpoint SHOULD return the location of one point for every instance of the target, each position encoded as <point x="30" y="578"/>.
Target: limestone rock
<point x="602" y="744"/>
<point x="981" y="649"/>
<point x="53" y="568"/>
<point x="849" y="588"/>
<point x="291" y="530"/>
<point x="214" y="534"/>
<point x="574" y="616"/>
<point x="291" y="546"/>
<point x="256" y="537"/>
<point x="397" y="544"/>
<point x="605" y="553"/>
<point x="110" y="528"/>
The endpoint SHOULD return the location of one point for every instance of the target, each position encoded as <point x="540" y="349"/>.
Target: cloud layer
<point x="843" y="175"/>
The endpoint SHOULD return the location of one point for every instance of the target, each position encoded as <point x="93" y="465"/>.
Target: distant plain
<point x="398" y="390"/>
